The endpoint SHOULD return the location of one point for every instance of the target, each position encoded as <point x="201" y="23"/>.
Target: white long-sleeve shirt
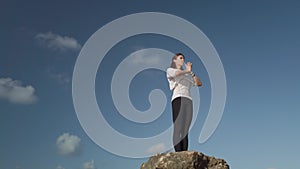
<point x="180" y="85"/>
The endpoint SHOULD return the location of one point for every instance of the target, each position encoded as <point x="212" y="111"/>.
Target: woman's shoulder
<point x="171" y="69"/>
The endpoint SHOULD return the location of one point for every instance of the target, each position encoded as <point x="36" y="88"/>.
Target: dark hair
<point x="173" y="65"/>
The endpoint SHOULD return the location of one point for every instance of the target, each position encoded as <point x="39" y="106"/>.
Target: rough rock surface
<point x="184" y="160"/>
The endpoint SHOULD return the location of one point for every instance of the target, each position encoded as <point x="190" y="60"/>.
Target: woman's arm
<point x="182" y="72"/>
<point x="197" y="81"/>
<point x="188" y="70"/>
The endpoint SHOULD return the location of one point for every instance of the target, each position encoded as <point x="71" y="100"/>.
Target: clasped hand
<point x="188" y="66"/>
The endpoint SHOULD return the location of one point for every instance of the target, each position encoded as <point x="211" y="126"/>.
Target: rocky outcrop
<point x="184" y="160"/>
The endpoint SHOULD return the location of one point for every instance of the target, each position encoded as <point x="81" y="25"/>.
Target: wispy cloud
<point x="89" y="165"/>
<point x="58" y="42"/>
<point x="15" y="92"/>
<point x="61" y="78"/>
<point x="18" y="167"/>
<point x="155" y="149"/>
<point x="60" y="167"/>
<point x="145" y="58"/>
<point x="69" y="145"/>
<point x="149" y="57"/>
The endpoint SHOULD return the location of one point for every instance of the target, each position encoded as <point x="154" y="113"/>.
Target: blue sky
<point x="258" y="44"/>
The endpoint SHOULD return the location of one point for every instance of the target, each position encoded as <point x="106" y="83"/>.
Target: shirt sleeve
<point x="171" y="72"/>
<point x="191" y="81"/>
<point x="171" y="78"/>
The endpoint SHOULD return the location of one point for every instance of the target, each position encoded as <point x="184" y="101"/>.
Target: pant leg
<point x="188" y="115"/>
<point x="177" y="121"/>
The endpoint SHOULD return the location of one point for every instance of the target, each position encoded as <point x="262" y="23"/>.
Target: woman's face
<point x="179" y="61"/>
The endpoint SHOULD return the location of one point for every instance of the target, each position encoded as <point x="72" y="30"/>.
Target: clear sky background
<point x="258" y="44"/>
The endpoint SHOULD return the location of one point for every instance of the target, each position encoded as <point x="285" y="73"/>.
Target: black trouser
<point x="182" y="109"/>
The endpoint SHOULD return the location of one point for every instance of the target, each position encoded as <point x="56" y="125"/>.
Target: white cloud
<point x="15" y="92"/>
<point x="68" y="145"/>
<point x="155" y="149"/>
<point x="145" y="58"/>
<point x="89" y="165"/>
<point x="58" y="42"/>
<point x="61" y="78"/>
<point x="60" y="167"/>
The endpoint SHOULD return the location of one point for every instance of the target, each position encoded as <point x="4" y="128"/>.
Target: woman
<point x="180" y="81"/>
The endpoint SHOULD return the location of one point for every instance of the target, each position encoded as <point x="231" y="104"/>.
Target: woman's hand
<point x="188" y="66"/>
<point x="188" y="69"/>
<point x="198" y="82"/>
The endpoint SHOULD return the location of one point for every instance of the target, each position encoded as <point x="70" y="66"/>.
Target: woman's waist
<point x="182" y="89"/>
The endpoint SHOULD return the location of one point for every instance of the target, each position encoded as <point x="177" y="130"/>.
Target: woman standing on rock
<point x="180" y="82"/>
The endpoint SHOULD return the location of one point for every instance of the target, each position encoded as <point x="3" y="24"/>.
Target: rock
<point x="184" y="160"/>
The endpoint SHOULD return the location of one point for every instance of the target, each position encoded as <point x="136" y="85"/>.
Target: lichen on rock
<point x="184" y="160"/>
